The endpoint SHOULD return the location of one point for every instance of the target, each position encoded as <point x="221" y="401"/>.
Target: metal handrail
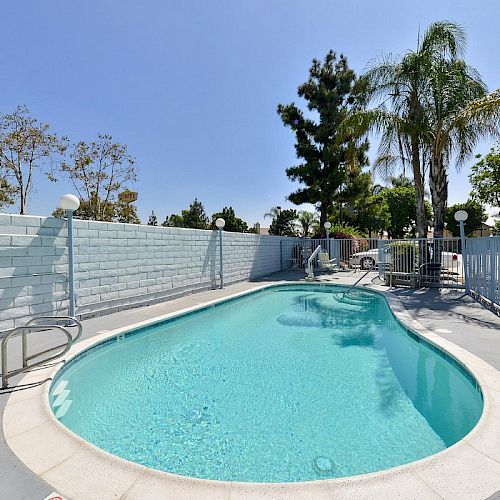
<point x="310" y="272"/>
<point x="23" y="330"/>
<point x="356" y="282"/>
<point x="64" y="319"/>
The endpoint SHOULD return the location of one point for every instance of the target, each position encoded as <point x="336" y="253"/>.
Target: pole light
<point x="220" y="223"/>
<point x="461" y="216"/>
<point x="70" y="203"/>
<point x="327" y="225"/>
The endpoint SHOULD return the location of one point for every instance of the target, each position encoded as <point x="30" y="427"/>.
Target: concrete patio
<point x="448" y="313"/>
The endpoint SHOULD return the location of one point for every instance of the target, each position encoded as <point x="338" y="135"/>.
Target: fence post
<point x="281" y="254"/>
<point x="381" y="263"/>
<point x="464" y="258"/>
<point x="493" y="271"/>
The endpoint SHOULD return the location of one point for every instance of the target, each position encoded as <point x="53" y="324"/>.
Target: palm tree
<point x="307" y="220"/>
<point x="460" y="113"/>
<point x="397" y="86"/>
<point x="431" y="105"/>
<point x="273" y="213"/>
<point x="400" y="181"/>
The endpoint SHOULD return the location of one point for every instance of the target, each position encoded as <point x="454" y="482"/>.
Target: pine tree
<point x="195" y="216"/>
<point x="332" y="160"/>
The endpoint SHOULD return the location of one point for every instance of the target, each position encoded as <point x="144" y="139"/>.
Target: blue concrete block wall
<point x="117" y="265"/>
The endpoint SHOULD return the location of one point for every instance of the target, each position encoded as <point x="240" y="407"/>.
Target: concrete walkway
<point x="456" y="317"/>
<point x="449" y="313"/>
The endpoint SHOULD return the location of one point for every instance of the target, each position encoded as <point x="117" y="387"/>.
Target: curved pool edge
<point x="77" y="469"/>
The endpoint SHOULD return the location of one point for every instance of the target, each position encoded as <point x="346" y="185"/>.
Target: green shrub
<point x="404" y="256"/>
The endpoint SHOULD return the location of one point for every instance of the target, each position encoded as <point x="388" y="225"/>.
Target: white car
<point x="370" y="259"/>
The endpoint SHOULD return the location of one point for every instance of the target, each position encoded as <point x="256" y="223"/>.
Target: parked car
<point x="370" y="259"/>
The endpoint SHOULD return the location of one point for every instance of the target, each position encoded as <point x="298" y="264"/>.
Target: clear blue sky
<point x="192" y="86"/>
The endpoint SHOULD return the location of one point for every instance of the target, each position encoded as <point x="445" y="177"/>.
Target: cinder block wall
<point x="33" y="268"/>
<point x="117" y="265"/>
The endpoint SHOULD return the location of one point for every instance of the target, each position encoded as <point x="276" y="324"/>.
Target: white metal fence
<point x="296" y="251"/>
<point x="413" y="262"/>
<point x="423" y="262"/>
<point x="483" y="258"/>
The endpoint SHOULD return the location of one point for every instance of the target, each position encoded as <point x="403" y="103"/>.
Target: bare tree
<point x="25" y="146"/>
<point x="98" y="170"/>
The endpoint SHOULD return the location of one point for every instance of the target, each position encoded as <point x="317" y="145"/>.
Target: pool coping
<point x="77" y="469"/>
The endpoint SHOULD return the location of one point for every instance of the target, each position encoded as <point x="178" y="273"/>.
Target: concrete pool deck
<point x="74" y="467"/>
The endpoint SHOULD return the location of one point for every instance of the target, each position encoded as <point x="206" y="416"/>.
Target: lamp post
<point x="461" y="217"/>
<point x="327" y="225"/>
<point x="220" y="223"/>
<point x="70" y="203"/>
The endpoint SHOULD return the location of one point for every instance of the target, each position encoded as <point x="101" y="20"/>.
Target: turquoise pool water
<point x="286" y="384"/>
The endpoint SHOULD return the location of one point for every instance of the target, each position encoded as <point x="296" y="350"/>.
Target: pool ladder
<point x="42" y="323"/>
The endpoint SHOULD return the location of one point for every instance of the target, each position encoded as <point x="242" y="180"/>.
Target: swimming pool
<point x="285" y="384"/>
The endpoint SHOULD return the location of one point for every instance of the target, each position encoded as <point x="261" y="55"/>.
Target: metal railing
<point x="68" y="322"/>
<point x="483" y="263"/>
<point x="353" y="286"/>
<point x="38" y="325"/>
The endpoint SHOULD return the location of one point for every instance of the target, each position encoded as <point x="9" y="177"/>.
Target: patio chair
<point x="327" y="264"/>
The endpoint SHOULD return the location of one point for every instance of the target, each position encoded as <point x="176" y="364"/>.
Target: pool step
<point x="61" y="403"/>
<point x="60" y="387"/>
<point x="63" y="409"/>
<point x="349" y="301"/>
<point x="61" y="398"/>
<point x="347" y="307"/>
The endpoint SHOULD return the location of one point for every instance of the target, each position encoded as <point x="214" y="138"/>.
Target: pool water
<point x="291" y="383"/>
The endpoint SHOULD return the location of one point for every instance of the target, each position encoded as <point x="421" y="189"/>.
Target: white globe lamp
<point x="69" y="202"/>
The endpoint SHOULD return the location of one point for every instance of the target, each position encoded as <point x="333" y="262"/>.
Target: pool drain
<point x="323" y="465"/>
